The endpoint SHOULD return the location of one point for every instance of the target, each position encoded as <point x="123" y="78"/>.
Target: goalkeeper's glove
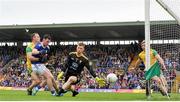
<point x="60" y="76"/>
<point x="100" y="81"/>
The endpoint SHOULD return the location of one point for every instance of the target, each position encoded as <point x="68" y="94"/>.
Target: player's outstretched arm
<point x="161" y="61"/>
<point x="88" y="65"/>
<point x="100" y="81"/>
<point x="137" y="63"/>
<point x="61" y="74"/>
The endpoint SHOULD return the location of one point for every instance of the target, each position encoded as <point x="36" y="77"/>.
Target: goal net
<point x="164" y="37"/>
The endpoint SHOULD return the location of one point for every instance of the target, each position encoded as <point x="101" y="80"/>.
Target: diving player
<point x="75" y="63"/>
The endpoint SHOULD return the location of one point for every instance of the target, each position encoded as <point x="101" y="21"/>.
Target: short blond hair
<point x="81" y="44"/>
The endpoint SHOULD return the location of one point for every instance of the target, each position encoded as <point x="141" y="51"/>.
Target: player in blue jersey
<point x="41" y="51"/>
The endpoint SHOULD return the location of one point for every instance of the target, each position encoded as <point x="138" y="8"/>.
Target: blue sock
<point x="52" y="91"/>
<point x="39" y="87"/>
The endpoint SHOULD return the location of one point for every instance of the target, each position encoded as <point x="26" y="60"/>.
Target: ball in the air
<point x="112" y="78"/>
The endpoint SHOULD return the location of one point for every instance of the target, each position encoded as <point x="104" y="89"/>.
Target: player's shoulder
<point x="48" y="47"/>
<point x="141" y="53"/>
<point x="72" y="53"/>
<point x="153" y="49"/>
<point x="154" y="52"/>
<point x="30" y="45"/>
<point x="38" y="44"/>
<point x="84" y="57"/>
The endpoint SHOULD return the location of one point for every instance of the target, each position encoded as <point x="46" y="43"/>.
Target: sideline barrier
<point x="114" y="90"/>
<point x="6" y="88"/>
<point x="88" y="90"/>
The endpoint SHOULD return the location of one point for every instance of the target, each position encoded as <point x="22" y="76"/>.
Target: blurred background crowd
<point x="105" y="58"/>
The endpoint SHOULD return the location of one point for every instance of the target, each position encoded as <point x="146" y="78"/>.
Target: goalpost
<point x="147" y="42"/>
<point x="172" y="7"/>
<point x="162" y="33"/>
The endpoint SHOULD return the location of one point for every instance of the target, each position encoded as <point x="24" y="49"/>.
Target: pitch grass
<point x="7" y="95"/>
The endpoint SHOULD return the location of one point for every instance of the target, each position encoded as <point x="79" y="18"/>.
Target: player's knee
<point x="72" y="79"/>
<point x="158" y="81"/>
<point x="48" y="76"/>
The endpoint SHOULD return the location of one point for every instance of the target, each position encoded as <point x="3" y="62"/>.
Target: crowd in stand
<point x="105" y="59"/>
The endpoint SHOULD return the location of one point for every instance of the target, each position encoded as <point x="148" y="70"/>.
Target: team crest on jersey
<point x="74" y="64"/>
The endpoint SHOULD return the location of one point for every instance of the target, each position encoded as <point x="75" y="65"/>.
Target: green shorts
<point x="153" y="71"/>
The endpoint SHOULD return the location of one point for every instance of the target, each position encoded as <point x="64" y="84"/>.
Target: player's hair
<point x="33" y="34"/>
<point x="81" y="44"/>
<point x="142" y="42"/>
<point x="47" y="36"/>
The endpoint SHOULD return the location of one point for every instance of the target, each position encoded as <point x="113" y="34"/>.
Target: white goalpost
<point x="172" y="7"/>
<point x="147" y="43"/>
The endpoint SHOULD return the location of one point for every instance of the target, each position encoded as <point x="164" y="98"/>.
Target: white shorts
<point x="39" y="68"/>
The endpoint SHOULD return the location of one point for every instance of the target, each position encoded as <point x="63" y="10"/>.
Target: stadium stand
<point x="104" y="58"/>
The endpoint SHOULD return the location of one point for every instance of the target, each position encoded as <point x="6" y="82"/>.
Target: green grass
<point x="7" y="95"/>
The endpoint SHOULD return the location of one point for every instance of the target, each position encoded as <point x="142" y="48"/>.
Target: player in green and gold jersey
<point x="35" y="78"/>
<point x="154" y="72"/>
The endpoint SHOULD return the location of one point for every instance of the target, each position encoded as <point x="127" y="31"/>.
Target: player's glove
<point x="43" y="52"/>
<point x="60" y="76"/>
<point x="100" y="81"/>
